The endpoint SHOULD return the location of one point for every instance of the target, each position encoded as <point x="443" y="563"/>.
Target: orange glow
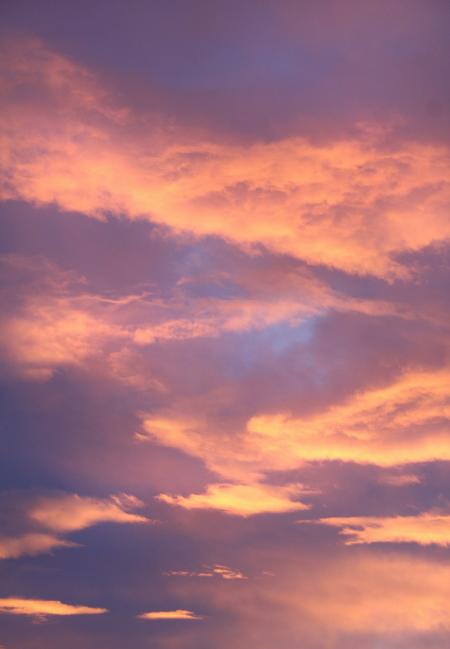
<point x="329" y="594"/>
<point x="208" y="187"/>
<point x="72" y="512"/>
<point x="425" y="529"/>
<point x="61" y="325"/>
<point x="61" y="513"/>
<point x="224" y="279"/>
<point x="42" y="608"/>
<point x="31" y="544"/>
<point x="404" y="422"/>
<point x="242" y="500"/>
<point x="178" y="614"/>
<point x="358" y="595"/>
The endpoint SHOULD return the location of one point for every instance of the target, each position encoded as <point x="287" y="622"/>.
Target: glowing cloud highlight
<point x="87" y="162"/>
<point x="42" y="608"/>
<point x="71" y="512"/>
<point x="242" y="500"/>
<point x="428" y="528"/>
<point x="178" y="614"/>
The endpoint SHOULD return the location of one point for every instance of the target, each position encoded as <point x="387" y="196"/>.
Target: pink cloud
<point x="82" y="159"/>
<point x="177" y="614"/>
<point x="427" y="528"/>
<point x="242" y="499"/>
<point x="66" y="513"/>
<point x="46" y="519"/>
<point x="31" y="544"/>
<point x="43" y="608"/>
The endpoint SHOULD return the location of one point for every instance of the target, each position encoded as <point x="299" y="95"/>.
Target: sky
<point x="225" y="349"/>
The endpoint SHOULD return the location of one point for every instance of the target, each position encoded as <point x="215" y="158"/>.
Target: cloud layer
<point x="76" y="151"/>
<point x="224" y="262"/>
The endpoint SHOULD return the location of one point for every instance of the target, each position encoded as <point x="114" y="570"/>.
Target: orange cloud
<point x="51" y="321"/>
<point x="227" y="573"/>
<point x="42" y="608"/>
<point x="63" y="513"/>
<point x="242" y="499"/>
<point x="55" y="323"/>
<point x="425" y="529"/>
<point x="52" y="334"/>
<point x="178" y="614"/>
<point x="347" y="204"/>
<point x="67" y="513"/>
<point x="324" y="597"/>
<point x="404" y="422"/>
<point x="357" y="595"/>
<point x="30" y="544"/>
<point x="247" y="496"/>
<point x="209" y="571"/>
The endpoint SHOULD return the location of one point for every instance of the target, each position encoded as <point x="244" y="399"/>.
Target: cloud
<point x="232" y="346"/>
<point x="224" y="572"/>
<point x="429" y="528"/>
<point x="349" y="204"/>
<point x="405" y="422"/>
<point x="178" y="614"/>
<point x="49" y="320"/>
<point x="331" y="599"/>
<point x="242" y="499"/>
<point x="31" y="544"/>
<point x="51" y="334"/>
<point x="231" y="316"/>
<point x="45" y="519"/>
<point x="71" y="512"/>
<point x="213" y="317"/>
<point x="357" y="595"/>
<point x="227" y="573"/>
<point x="52" y="319"/>
<point x="400" y="479"/>
<point x="42" y="608"/>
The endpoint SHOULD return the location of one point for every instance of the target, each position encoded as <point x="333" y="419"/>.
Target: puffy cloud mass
<point x="406" y="421"/>
<point x="351" y="204"/>
<point x="242" y="499"/>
